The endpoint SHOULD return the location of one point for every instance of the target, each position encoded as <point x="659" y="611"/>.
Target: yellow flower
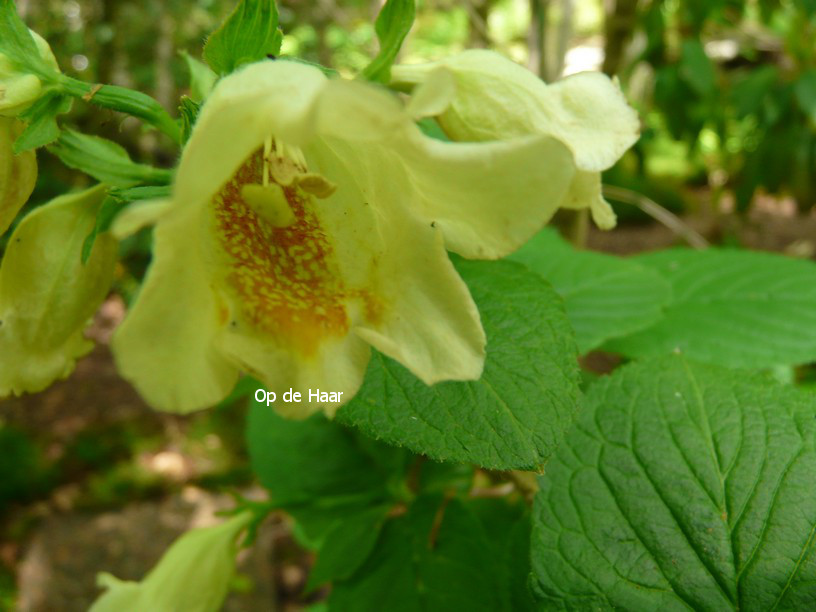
<point x="19" y="89"/>
<point x="492" y="98"/>
<point x="193" y="574"/>
<point x="47" y="295"/>
<point x="309" y="221"/>
<point x="18" y="173"/>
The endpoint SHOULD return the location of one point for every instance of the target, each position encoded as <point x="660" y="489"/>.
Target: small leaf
<point x="604" y="296"/>
<point x="515" y="415"/>
<point x="104" y="160"/>
<point x="318" y="470"/>
<point x="392" y="26"/>
<point x="114" y="203"/>
<point x="347" y="545"/>
<point x="805" y="90"/>
<point x="437" y="556"/>
<point x="42" y="128"/>
<point x="202" y="78"/>
<point x="734" y="308"/>
<point x="681" y="487"/>
<point x="248" y="35"/>
<point x="697" y="69"/>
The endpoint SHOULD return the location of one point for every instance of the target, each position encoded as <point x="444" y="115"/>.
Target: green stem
<point x="123" y="100"/>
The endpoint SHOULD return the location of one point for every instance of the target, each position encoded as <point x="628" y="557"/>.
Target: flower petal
<point x="165" y="344"/>
<point x="47" y="295"/>
<point x="498" y="99"/>
<point x="433" y="95"/>
<point x="589" y="113"/>
<point x="424" y="315"/>
<point x="337" y="366"/>
<point x="18" y="173"/>
<point x="585" y="191"/>
<point x="488" y="198"/>
<point x="359" y="111"/>
<point x="259" y="101"/>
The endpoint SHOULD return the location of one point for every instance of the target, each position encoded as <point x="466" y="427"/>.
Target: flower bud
<point x="47" y="295"/>
<point x="496" y="99"/>
<point x="194" y="574"/>
<point x="18" y="173"/>
<point x="19" y="88"/>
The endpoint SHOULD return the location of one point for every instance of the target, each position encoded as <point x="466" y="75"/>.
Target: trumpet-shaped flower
<point x="492" y="98"/>
<point x="19" y="88"/>
<point x="193" y="574"/>
<point x="309" y="221"/>
<point x="18" y="173"/>
<point x="47" y="295"/>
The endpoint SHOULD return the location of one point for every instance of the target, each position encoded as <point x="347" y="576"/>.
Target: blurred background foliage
<point x="726" y="90"/>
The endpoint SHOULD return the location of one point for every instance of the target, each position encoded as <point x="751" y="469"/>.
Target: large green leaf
<point x="605" y="296"/>
<point x="734" y="308"/>
<point x="515" y="415"/>
<point x="681" y="487"/>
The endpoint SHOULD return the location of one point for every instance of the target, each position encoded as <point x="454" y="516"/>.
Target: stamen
<point x="316" y="185"/>
<point x="266" y="156"/>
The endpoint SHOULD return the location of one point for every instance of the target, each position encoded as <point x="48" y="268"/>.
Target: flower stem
<point x="125" y="100"/>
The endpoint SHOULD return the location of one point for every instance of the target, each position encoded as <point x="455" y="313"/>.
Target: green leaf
<point x="508" y="527"/>
<point x="605" y="296"/>
<point x="320" y="471"/>
<point x="42" y="128"/>
<point x="681" y="487"/>
<point x="347" y="545"/>
<point x="202" y="78"/>
<point x="734" y="308"/>
<point x="436" y="557"/>
<point x="105" y="160"/>
<point x="696" y="68"/>
<point x="805" y="91"/>
<point x="249" y="34"/>
<point x="515" y="415"/>
<point x="392" y="26"/>
<point x="751" y="92"/>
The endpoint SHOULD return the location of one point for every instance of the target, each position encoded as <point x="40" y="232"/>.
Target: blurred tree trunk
<point x="621" y="19"/>
<point x="537" y="38"/>
<point x="107" y="51"/>
<point x="564" y="38"/>
<point x="478" y="14"/>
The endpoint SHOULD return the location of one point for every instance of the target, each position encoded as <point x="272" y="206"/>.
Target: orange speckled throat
<point x="284" y="278"/>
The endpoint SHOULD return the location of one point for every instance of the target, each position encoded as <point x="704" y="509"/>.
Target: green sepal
<point x="105" y="160"/>
<point x="249" y="34"/>
<point x="41" y="117"/>
<point x="116" y="201"/>
<point x="392" y="26"/>
<point x="16" y="41"/>
<point x="188" y="110"/>
<point x="202" y="78"/>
